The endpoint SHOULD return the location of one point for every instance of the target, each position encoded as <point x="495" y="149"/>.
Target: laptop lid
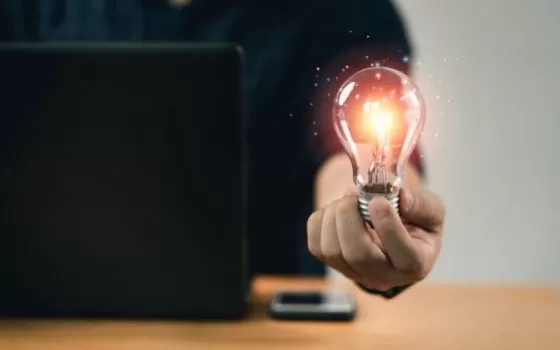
<point x="122" y="181"/>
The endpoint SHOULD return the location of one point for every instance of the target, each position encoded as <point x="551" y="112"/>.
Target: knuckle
<point x="332" y="252"/>
<point x="313" y="248"/>
<point x="346" y="205"/>
<point x="347" y="215"/>
<point x="359" y="257"/>
<point x="413" y="268"/>
<point x="416" y="269"/>
<point x="314" y="222"/>
<point x="340" y="211"/>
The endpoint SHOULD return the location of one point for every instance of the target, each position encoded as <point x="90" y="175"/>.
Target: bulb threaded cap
<point x="368" y="192"/>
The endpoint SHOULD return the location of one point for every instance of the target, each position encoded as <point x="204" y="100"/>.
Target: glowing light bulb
<point x="378" y="110"/>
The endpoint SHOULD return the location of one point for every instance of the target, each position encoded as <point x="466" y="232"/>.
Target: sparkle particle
<point x="311" y="104"/>
<point x="406" y="59"/>
<point x="367" y="57"/>
<point x="367" y="36"/>
<point x="318" y="69"/>
<point x="316" y="84"/>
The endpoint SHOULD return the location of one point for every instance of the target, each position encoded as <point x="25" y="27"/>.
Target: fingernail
<point x="379" y="207"/>
<point x="408" y="198"/>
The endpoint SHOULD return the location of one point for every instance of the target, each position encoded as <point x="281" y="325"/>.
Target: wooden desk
<point x="425" y="317"/>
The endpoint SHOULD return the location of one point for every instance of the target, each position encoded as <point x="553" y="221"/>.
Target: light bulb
<point x="378" y="110"/>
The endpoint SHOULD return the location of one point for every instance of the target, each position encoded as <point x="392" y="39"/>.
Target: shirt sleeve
<point x="361" y="34"/>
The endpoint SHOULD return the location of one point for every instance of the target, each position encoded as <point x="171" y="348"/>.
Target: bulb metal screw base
<point x="368" y="192"/>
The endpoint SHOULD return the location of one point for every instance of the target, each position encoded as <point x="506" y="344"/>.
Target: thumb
<point x="399" y="245"/>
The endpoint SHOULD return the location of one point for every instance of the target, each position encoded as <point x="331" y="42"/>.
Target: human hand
<point x="400" y="250"/>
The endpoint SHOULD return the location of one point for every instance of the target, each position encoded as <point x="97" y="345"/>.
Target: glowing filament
<point x="378" y="120"/>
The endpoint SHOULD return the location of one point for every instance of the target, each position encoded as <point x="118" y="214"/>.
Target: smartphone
<point x="313" y="306"/>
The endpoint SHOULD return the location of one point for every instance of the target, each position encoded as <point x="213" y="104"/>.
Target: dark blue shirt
<point x="297" y="53"/>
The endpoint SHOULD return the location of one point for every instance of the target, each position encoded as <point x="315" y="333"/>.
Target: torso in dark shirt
<point x="291" y="48"/>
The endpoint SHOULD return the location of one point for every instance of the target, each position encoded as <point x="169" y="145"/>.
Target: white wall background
<point x="493" y="149"/>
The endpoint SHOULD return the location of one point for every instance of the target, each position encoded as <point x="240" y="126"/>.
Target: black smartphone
<point x="313" y="306"/>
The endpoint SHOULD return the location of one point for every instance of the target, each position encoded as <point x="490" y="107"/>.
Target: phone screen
<point x="314" y="305"/>
<point x="302" y="298"/>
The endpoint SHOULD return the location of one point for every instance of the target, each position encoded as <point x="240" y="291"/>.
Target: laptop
<point x="122" y="181"/>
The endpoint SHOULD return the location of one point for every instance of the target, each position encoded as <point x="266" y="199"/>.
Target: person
<point x="297" y="54"/>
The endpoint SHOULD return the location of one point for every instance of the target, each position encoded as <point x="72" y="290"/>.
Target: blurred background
<point x="491" y="76"/>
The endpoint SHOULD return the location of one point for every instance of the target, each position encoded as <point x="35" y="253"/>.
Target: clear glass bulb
<point x="379" y="112"/>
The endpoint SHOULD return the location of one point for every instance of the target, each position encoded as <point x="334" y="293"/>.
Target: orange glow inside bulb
<point x="378" y="120"/>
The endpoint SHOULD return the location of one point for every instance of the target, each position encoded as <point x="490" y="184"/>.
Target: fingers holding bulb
<point x="338" y="236"/>
<point x="331" y="243"/>
<point x="323" y="240"/>
<point x="382" y="258"/>
<point x="356" y="240"/>
<point x="399" y="246"/>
